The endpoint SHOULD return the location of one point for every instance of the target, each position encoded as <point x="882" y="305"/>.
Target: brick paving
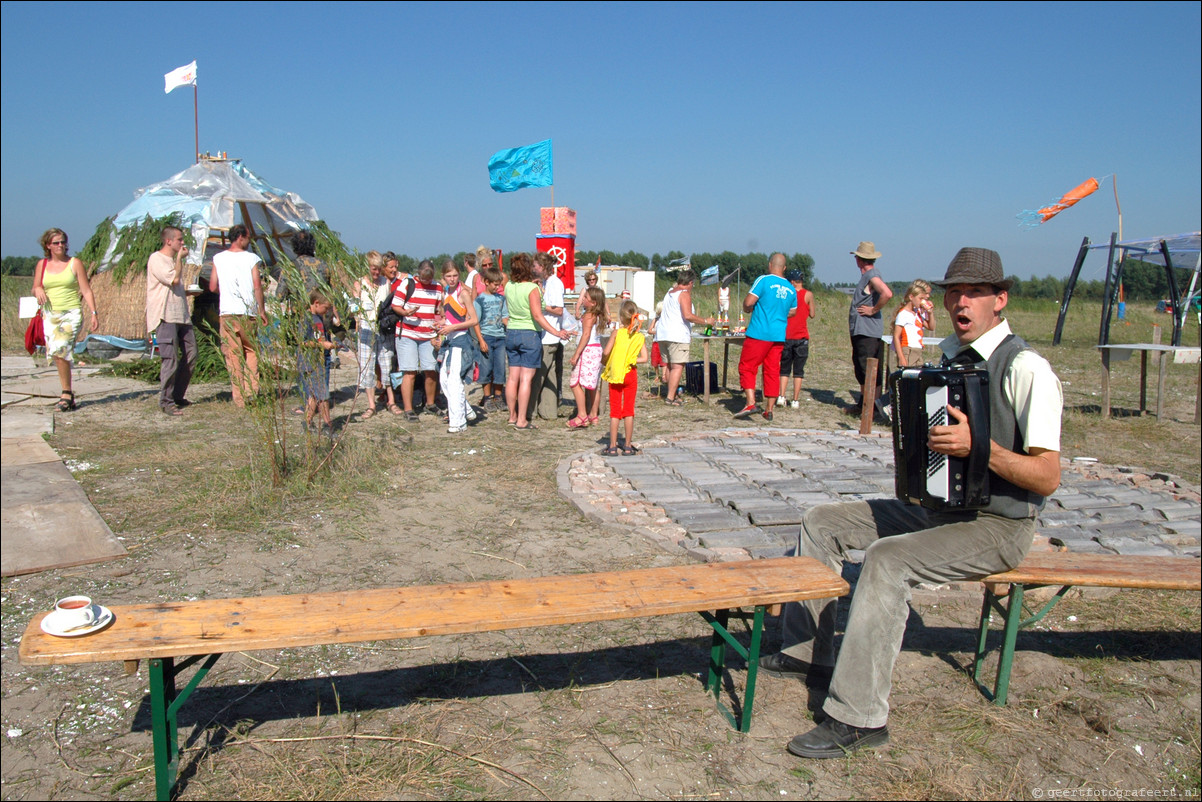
<point x="740" y="494"/>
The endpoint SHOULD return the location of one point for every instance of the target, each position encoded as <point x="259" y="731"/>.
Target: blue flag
<point x="516" y="168"/>
<point x="709" y="275"/>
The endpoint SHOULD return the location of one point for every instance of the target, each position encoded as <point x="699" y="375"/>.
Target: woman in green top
<point x="523" y="342"/>
<point x="59" y="283"/>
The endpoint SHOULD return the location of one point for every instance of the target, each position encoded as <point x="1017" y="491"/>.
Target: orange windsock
<point x="1081" y="191"/>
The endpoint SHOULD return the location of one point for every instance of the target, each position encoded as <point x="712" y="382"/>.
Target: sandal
<point x="612" y="451"/>
<point x="66" y="402"/>
<point x="674" y="402"/>
<point x="593" y="419"/>
<point x="631" y="451"/>
<point x="578" y="423"/>
<point x="367" y="413"/>
<point x="395" y="410"/>
<point x="527" y="428"/>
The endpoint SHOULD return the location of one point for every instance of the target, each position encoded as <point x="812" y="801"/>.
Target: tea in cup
<point x="74" y="612"/>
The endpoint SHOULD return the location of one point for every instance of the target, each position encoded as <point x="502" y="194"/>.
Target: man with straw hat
<point x="904" y="545"/>
<point x="864" y="314"/>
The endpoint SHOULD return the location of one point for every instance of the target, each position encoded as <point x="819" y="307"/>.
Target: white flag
<point x="184" y="76"/>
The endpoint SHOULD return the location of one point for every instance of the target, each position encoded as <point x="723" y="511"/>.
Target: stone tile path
<point x="740" y="494"/>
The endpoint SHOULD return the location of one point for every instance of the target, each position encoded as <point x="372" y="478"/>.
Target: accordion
<point x="921" y="397"/>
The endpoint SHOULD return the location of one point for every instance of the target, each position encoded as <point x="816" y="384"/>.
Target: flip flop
<point x="528" y="427"/>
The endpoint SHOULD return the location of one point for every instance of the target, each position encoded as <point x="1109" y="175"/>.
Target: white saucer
<point x="103" y="620"/>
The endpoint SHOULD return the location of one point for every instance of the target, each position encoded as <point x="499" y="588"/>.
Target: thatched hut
<point x="205" y="200"/>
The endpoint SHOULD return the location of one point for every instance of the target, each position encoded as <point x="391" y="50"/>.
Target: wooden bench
<point x="204" y="630"/>
<point x="1067" y="570"/>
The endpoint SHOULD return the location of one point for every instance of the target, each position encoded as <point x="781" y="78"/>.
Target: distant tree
<point x="406" y="263"/>
<point x="586" y="257"/>
<point x="754" y="265"/>
<point x="19" y="265"/>
<point x="609" y="258"/>
<point x="805" y="263"/>
<point x="727" y="261"/>
<point x="634" y="259"/>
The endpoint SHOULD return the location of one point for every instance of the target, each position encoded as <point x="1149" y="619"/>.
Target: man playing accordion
<point x="906" y="545"/>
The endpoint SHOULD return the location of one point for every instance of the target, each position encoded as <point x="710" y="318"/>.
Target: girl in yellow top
<point x="59" y="283"/>
<point x="625" y="349"/>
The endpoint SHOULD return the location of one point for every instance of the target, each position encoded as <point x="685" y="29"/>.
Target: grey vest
<point x="1006" y="499"/>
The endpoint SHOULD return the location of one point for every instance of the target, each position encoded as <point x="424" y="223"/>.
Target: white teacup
<point x="74" y="612"/>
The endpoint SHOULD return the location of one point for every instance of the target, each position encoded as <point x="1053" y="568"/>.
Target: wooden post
<point x="868" y="396"/>
<point x="1105" y="383"/>
<point x="1198" y="394"/>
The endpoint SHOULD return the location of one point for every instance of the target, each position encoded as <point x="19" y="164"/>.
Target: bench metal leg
<point x="1011" y="609"/>
<point x="722" y="638"/>
<point x="165" y="703"/>
<point x="1014" y="614"/>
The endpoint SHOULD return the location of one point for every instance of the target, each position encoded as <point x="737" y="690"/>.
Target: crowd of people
<point x="439" y="329"/>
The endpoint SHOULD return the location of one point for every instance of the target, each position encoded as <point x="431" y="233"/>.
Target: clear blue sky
<point x="923" y="127"/>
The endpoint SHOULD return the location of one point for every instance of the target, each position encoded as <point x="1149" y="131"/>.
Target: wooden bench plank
<point x="275" y="622"/>
<point x="1105" y="570"/>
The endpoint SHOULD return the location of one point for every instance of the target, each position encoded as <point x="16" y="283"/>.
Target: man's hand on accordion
<point x="954" y="440"/>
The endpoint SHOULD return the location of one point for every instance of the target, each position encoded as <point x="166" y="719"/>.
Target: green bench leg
<point x="1014" y="614"/>
<point x="719" y="642"/>
<point x="163" y="726"/>
<point x="165" y="703"/>
<point x="1011" y="609"/>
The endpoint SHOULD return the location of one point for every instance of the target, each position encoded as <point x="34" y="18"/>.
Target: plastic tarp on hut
<point x="215" y="195"/>
<point x="212" y="196"/>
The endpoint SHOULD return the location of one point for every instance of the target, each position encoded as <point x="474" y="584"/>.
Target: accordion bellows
<point x="921" y="397"/>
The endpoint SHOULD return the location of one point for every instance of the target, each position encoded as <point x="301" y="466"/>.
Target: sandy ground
<point x="601" y="711"/>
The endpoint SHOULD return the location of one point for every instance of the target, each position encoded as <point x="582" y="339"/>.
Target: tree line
<point x="1142" y="281"/>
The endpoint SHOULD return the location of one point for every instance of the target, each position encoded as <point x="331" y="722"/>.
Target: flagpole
<point x="196" y="119"/>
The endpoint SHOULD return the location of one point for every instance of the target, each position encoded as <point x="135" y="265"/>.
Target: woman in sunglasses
<point x="60" y="283"/>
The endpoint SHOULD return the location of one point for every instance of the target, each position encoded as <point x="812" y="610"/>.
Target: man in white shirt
<point x="548" y="379"/>
<point x="235" y="278"/>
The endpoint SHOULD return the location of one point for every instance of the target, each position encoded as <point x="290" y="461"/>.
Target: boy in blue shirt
<point x="493" y="314"/>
